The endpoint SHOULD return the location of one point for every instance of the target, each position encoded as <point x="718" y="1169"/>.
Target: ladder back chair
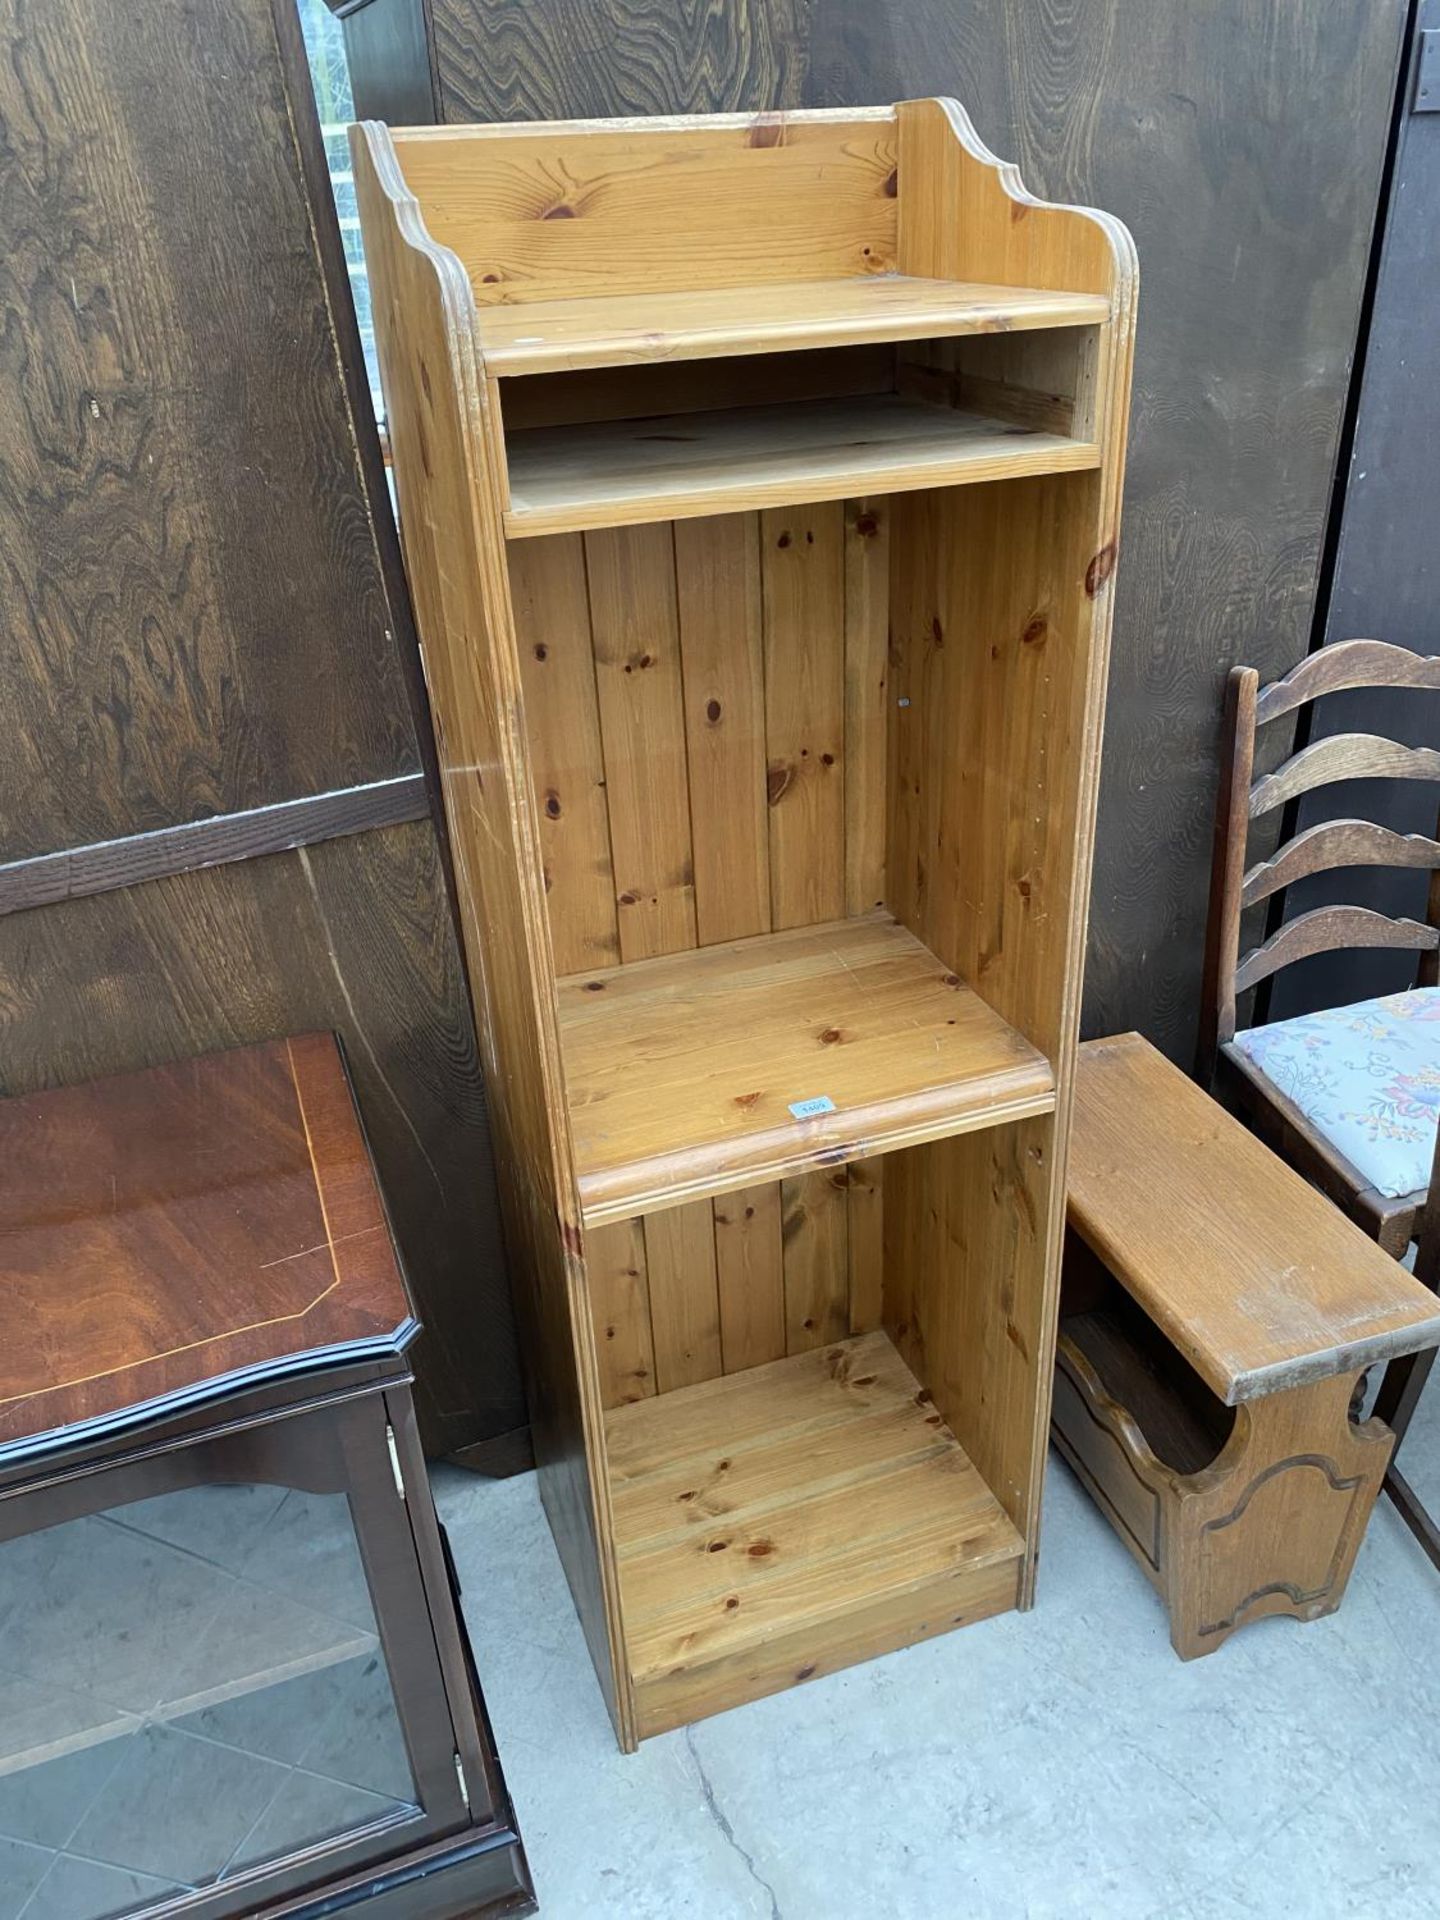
<point x="1349" y="1096"/>
<point x="1404" y="1382"/>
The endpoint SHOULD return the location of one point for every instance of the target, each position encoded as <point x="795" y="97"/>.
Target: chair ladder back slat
<point x="1342" y="756"/>
<point x="1332" y="844"/>
<point x="1326" y="929"/>
<point x="1342" y="667"/>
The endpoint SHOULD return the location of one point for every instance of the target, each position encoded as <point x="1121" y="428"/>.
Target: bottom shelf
<point x="780" y="1523"/>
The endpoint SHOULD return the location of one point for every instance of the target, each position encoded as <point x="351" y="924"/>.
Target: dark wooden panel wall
<point x="1243" y="142"/>
<point x="199" y="620"/>
<point x="1386" y="582"/>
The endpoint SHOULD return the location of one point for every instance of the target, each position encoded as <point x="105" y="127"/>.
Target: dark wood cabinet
<point x="236" y="1677"/>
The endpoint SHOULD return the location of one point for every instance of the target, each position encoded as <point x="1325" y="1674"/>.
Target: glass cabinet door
<point x="190" y="1685"/>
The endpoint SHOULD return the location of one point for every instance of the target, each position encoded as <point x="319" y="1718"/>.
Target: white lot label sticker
<point x="807" y="1109"/>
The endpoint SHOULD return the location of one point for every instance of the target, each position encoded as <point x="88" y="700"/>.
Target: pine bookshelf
<point x="759" y="486"/>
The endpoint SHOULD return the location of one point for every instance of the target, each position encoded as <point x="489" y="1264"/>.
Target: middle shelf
<point x="684" y="1073"/>
<point x="611" y="473"/>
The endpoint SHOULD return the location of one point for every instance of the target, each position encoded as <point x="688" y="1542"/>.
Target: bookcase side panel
<point x="994" y="732"/>
<point x="1000" y="615"/>
<point x="968" y="1295"/>
<point x="449" y="518"/>
<point x="965" y="215"/>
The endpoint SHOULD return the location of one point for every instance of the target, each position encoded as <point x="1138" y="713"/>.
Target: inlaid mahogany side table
<point x="233" y="1676"/>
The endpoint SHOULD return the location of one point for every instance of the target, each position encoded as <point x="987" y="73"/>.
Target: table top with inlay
<point x="172" y="1235"/>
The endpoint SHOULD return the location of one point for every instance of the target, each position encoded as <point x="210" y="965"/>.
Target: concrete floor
<point x="1055" y="1765"/>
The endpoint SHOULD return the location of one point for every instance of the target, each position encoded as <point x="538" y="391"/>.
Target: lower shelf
<point x="784" y="1522"/>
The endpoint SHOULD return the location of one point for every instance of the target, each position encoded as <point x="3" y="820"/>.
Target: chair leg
<point x="1400" y="1391"/>
<point x="1395" y="1404"/>
<point x="1414" y="1513"/>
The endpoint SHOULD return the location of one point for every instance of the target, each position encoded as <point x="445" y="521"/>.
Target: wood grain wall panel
<point x="1383" y="579"/>
<point x="207" y="653"/>
<point x="191" y="595"/>
<point x="353" y="935"/>
<point x="387" y="48"/>
<point x="564" y="59"/>
<point x="1244" y="345"/>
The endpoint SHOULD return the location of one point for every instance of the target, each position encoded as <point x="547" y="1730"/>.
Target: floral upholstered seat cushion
<point x="1367" y="1077"/>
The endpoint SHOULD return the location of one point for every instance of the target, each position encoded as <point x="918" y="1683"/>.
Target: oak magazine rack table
<point x="235" y="1678"/>
<point x="1218" y="1315"/>
<point x="759" y="483"/>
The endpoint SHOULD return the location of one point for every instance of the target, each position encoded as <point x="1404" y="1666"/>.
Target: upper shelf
<point x="613" y="473"/>
<point x="608" y="330"/>
<point x="684" y="1072"/>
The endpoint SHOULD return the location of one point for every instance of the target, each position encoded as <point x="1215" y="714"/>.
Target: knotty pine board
<point x="608" y="330"/>
<point x="732" y="812"/>
<point x="779" y="1521"/>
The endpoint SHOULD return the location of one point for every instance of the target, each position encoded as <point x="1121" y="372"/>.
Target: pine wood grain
<point x="696" y="386"/>
<point x="717" y="572"/>
<point x="684" y="1295"/>
<point x="612" y="474"/>
<point x="865" y="1243"/>
<point x="606" y="330"/>
<point x="749" y="1264"/>
<point x="1233" y="290"/>
<point x="814" y="1228"/>
<point x="638" y="677"/>
<point x="867" y="645"/>
<point x="557" y="671"/>
<point x="681" y="1070"/>
<point x="769" y="1509"/>
<point x="803" y="565"/>
<point x="454" y="552"/>
<point x="619" y="1280"/>
<point x="536" y="213"/>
